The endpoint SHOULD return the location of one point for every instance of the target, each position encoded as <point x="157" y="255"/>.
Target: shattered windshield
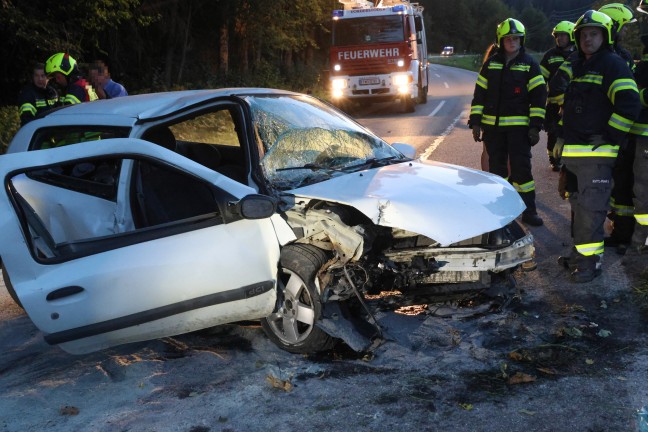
<point x="305" y="142"/>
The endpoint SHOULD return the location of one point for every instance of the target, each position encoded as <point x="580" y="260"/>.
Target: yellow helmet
<point x="620" y="14"/>
<point x="510" y="27"/>
<point x="593" y="18"/>
<point x="564" y="27"/>
<point x="60" y="62"/>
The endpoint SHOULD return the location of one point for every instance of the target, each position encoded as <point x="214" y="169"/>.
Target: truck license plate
<point x="369" y="81"/>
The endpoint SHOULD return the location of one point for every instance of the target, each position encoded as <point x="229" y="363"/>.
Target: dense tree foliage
<point x="154" y="45"/>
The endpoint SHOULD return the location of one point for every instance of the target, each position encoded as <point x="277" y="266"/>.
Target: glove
<point x="562" y="183"/>
<point x="534" y="136"/>
<point x="558" y="148"/>
<point x="476" y="131"/>
<point x="597" y="141"/>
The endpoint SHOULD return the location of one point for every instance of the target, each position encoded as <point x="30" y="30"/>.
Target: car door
<point x="156" y="249"/>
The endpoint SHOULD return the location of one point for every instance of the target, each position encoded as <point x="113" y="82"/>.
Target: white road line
<point x="436" y="110"/>
<point x="446" y="85"/>
<point x="437" y="142"/>
<point x="437" y="75"/>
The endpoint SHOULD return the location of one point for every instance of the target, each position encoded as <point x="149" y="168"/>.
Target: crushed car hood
<point x="447" y="203"/>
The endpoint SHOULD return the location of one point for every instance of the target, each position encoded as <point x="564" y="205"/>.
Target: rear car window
<point x="58" y="137"/>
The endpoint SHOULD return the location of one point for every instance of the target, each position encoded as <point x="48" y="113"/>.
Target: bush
<point x="9" y="125"/>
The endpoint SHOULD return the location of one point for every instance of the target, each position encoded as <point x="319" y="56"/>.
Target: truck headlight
<point x="337" y="67"/>
<point x="339" y="83"/>
<point x="400" y="63"/>
<point x="401" y="80"/>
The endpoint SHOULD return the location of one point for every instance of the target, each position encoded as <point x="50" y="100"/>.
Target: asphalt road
<point x="546" y="355"/>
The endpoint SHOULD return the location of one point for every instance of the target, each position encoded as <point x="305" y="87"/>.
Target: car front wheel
<point x="293" y="326"/>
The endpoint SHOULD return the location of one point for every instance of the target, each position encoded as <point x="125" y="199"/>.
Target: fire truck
<point x="379" y="53"/>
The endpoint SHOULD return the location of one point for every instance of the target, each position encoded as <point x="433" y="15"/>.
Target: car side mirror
<point x="406" y="149"/>
<point x="254" y="206"/>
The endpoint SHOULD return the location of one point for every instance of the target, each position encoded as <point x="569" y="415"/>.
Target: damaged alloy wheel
<point x="292" y="326"/>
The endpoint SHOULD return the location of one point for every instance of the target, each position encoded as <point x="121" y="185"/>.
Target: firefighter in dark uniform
<point x="36" y="97"/>
<point x="73" y="87"/>
<point x="621" y="206"/>
<point x="637" y="253"/>
<point x="507" y="112"/>
<point x="563" y="32"/>
<point x="600" y="106"/>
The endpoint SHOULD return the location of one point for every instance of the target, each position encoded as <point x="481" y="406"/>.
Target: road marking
<point x="437" y="142"/>
<point x="437" y="75"/>
<point x="436" y="110"/>
<point x="446" y="85"/>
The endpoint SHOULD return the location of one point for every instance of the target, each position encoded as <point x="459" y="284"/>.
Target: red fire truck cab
<point x="379" y="53"/>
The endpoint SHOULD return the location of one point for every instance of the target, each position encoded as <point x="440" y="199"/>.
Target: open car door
<point x="126" y="241"/>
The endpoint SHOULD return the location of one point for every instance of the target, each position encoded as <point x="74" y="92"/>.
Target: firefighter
<point x="36" y="97"/>
<point x="600" y="106"/>
<point x="637" y="253"/>
<point x="508" y="110"/>
<point x="563" y="32"/>
<point x="621" y="206"/>
<point x="73" y="87"/>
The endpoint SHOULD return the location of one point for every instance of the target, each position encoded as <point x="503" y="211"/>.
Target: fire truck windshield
<point x="369" y="30"/>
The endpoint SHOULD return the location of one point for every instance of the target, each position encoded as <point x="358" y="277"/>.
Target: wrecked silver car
<point x="160" y="214"/>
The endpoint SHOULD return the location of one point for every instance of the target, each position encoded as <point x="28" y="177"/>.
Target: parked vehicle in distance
<point x="447" y="51"/>
<point x="146" y="216"/>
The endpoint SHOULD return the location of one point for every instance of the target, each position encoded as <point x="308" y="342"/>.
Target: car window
<point x="213" y="139"/>
<point x="305" y="141"/>
<point x="209" y="128"/>
<point x="65" y="217"/>
<point x="61" y="136"/>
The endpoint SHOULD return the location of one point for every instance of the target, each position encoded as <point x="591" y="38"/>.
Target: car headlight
<point x="339" y="83"/>
<point x="401" y="80"/>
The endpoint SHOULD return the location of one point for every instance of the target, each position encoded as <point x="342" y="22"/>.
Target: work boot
<point x="587" y="268"/>
<point x="567" y="262"/>
<point x="635" y="259"/>
<point x="554" y="164"/>
<point x="531" y="219"/>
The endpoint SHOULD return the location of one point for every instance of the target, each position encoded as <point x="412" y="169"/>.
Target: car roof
<point x="153" y="105"/>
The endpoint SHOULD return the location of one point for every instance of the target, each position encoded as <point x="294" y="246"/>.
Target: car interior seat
<point x="161" y="136"/>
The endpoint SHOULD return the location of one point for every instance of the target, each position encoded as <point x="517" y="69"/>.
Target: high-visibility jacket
<point x="552" y="60"/>
<point x="78" y="91"/>
<point x="512" y="94"/>
<point x="35" y="100"/>
<point x="640" y="127"/>
<point x="601" y="99"/>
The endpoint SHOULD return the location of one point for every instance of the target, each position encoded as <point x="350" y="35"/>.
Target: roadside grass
<point x="471" y="62"/>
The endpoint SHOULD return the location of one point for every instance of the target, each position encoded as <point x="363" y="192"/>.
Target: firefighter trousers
<point x="640" y="168"/>
<point x="511" y="144"/>
<point x="591" y="203"/>
<point x="621" y="202"/>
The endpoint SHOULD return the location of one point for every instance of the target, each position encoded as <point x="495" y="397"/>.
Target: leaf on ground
<point x="519" y="356"/>
<point x="604" y="333"/>
<point x="589" y="361"/>
<point x="546" y="371"/>
<point x="68" y="410"/>
<point x="573" y="332"/>
<point x="527" y="412"/>
<point x="275" y="382"/>
<point x="521" y="378"/>
<point x="466" y="406"/>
